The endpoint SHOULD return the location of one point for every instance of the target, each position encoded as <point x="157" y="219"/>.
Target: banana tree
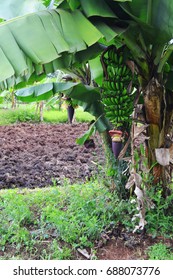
<point x="148" y="32"/>
<point x="70" y="34"/>
<point x="148" y="38"/>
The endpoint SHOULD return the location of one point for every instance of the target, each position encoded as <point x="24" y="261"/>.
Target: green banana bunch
<point x="118" y="102"/>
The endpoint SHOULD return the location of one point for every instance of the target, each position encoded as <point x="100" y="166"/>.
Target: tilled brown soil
<point x="36" y="155"/>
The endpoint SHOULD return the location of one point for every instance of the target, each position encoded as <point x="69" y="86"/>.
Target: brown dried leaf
<point x="171" y="153"/>
<point x="123" y="151"/>
<point x="140" y="196"/>
<point x="138" y="180"/>
<point x="142" y="222"/>
<point x="140" y="140"/>
<point x="162" y="156"/>
<point x="139" y="129"/>
<point x="131" y="181"/>
<point x="131" y="65"/>
<point x="84" y="253"/>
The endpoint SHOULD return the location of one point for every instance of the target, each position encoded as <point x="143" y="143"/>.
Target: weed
<point x="159" y="218"/>
<point x="159" y="252"/>
<point x="59" y="253"/>
<point x="72" y="215"/>
<point x="75" y="214"/>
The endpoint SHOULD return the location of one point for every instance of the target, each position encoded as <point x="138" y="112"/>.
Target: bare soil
<point x="130" y="247"/>
<point x="35" y="155"/>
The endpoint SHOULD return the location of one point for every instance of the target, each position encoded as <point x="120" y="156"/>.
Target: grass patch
<point x="22" y="114"/>
<point x="42" y="220"/>
<point x="160" y="218"/>
<point x="55" y="116"/>
<point x="51" y="223"/>
<point x="26" y="113"/>
<point x="82" y="116"/>
<point x="160" y="252"/>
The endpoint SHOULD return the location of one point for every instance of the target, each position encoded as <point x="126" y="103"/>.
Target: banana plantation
<point x="110" y="177"/>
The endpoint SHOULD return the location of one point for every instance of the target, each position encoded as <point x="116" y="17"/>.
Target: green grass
<point x="160" y="252"/>
<point x="73" y="216"/>
<point x="51" y="223"/>
<point x="159" y="218"/>
<point x="22" y="114"/>
<point x="83" y="116"/>
<point x="27" y="113"/>
<point x="52" y="116"/>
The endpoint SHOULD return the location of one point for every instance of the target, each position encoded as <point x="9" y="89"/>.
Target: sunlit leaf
<point x="10" y="8"/>
<point x="42" y="42"/>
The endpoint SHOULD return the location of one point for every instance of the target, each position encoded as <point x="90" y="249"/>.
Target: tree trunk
<point x="109" y="156"/>
<point x="13" y="100"/>
<point x="155" y="111"/>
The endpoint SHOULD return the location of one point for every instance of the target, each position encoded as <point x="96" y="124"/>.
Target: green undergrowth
<point x="53" y="222"/>
<point x="160" y="251"/>
<point x="73" y="215"/>
<point x="23" y="114"/>
<point x="27" y="113"/>
<point x="55" y="116"/>
<point x="159" y="217"/>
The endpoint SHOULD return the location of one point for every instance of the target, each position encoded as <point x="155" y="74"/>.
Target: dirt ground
<point x="36" y="155"/>
<point x="129" y="247"/>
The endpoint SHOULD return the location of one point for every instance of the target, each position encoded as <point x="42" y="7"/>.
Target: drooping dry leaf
<point x="171" y="153"/>
<point x="131" y="181"/>
<point x="139" y="129"/>
<point x="123" y="151"/>
<point x="141" y="207"/>
<point x="131" y="65"/>
<point x="138" y="180"/>
<point x="140" y="140"/>
<point x="142" y="222"/>
<point x="162" y="156"/>
<point x="84" y="253"/>
<point x="139" y="135"/>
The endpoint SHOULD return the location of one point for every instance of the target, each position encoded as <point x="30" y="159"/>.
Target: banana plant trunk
<point x="70" y="112"/>
<point x="155" y="111"/>
<point x="107" y="145"/>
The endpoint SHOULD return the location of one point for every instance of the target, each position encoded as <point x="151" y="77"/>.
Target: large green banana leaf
<point x="93" y="8"/>
<point x="96" y="70"/>
<point x="52" y="39"/>
<point x="42" y="38"/>
<point x="58" y="39"/>
<point x="154" y="15"/>
<point x="86" y="96"/>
